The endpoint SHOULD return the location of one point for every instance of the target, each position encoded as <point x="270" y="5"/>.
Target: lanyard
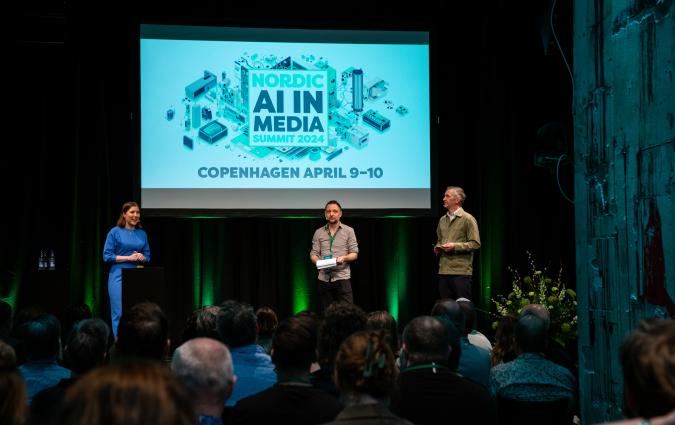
<point x="331" y="238"/>
<point x="432" y="365"/>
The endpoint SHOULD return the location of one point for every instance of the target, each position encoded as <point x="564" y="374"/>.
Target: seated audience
<point x="6" y="321"/>
<point x="204" y="366"/>
<point x="41" y="370"/>
<point x="504" y="349"/>
<point x="13" y="396"/>
<point x="143" y="332"/>
<point x="382" y="320"/>
<point x="340" y="319"/>
<point x="238" y="329"/>
<point x="365" y="372"/>
<point x="476" y="338"/>
<point x="426" y="384"/>
<point x="474" y="362"/>
<point x="267" y="323"/>
<point x="138" y="392"/>
<point x="648" y="363"/>
<point x="449" y="310"/>
<point x="292" y="399"/>
<point x="531" y="376"/>
<point x="71" y="315"/>
<point x="554" y="350"/>
<point x="202" y="323"/>
<point x="86" y="348"/>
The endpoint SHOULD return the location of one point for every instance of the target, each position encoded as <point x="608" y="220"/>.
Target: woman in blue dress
<point x="126" y="246"/>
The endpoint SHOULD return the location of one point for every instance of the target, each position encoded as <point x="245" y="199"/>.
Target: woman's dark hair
<point x="382" y="320"/>
<point x="365" y="364"/>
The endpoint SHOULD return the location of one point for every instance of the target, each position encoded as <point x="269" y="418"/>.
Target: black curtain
<point x="71" y="157"/>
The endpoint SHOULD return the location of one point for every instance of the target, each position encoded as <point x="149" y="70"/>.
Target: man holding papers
<point x="334" y="246"/>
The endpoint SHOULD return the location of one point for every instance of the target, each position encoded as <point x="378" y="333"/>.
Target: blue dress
<point x="121" y="241"/>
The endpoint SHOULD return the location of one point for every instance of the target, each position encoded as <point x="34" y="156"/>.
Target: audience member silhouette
<point x="41" y="370"/>
<point x="340" y="319"/>
<point x="267" y="323"/>
<point x="202" y="323"/>
<point x="365" y="372"/>
<point x="130" y="392"/>
<point x="474" y="362"/>
<point x="504" y="349"/>
<point x="648" y="363"/>
<point x="143" y="332"/>
<point x="554" y="350"/>
<point x="292" y="399"/>
<point x="6" y="321"/>
<point x="449" y="310"/>
<point x="531" y="376"/>
<point x="475" y="337"/>
<point x="238" y="329"/>
<point x="382" y="320"/>
<point x="72" y="314"/>
<point x="426" y="384"/>
<point x="204" y="366"/>
<point x="86" y="348"/>
<point x="13" y="395"/>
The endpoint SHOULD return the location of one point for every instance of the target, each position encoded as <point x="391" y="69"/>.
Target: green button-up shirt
<point x="463" y="232"/>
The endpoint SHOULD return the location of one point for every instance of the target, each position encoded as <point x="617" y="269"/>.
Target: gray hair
<point x="204" y="365"/>
<point x="459" y="191"/>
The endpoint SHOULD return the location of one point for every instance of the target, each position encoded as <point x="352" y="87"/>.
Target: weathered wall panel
<point x="624" y="173"/>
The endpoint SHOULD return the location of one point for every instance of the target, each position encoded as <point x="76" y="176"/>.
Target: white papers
<point x="326" y="264"/>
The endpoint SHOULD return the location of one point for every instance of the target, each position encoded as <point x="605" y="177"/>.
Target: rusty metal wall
<point x="624" y="117"/>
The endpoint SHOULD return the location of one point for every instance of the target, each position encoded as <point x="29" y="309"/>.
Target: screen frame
<point x="280" y="24"/>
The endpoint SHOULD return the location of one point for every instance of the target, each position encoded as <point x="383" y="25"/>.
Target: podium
<point x="144" y="284"/>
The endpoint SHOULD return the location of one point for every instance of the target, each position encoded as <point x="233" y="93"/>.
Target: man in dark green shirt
<point x="458" y="238"/>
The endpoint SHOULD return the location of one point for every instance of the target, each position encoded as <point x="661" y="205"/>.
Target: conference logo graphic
<point x="285" y="108"/>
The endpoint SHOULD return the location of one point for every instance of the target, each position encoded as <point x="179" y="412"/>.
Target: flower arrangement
<point x="538" y="288"/>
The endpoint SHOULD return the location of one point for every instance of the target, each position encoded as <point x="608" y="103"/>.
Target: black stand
<point x="144" y="284"/>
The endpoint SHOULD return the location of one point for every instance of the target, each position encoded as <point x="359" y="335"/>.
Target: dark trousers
<point x="454" y="286"/>
<point x="337" y="290"/>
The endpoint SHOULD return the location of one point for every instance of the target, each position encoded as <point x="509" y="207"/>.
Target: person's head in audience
<point x="340" y="320"/>
<point x="13" y="394"/>
<point x="71" y="315"/>
<point x="382" y="320"/>
<point x="428" y="339"/>
<point x="42" y="337"/>
<point x="648" y="363"/>
<point x="267" y="320"/>
<point x="23" y="316"/>
<point x="365" y="368"/>
<point x="204" y="366"/>
<point x="294" y="348"/>
<point x="237" y="324"/>
<point x="267" y="323"/>
<point x="531" y="333"/>
<point x="504" y="345"/>
<point x="141" y="392"/>
<point x="469" y="311"/>
<point x="5" y="318"/>
<point x="538" y="310"/>
<point x="143" y="332"/>
<point x="87" y="345"/>
<point x="451" y="310"/>
<point x="202" y="323"/>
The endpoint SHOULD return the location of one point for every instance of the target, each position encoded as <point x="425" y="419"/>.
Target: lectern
<point x="144" y="284"/>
